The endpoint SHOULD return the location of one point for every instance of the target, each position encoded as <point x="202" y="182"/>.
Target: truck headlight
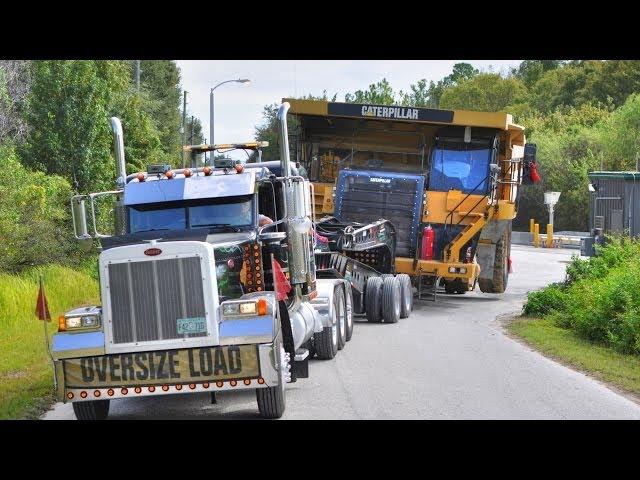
<point x="78" y="323"/>
<point x="241" y="308"/>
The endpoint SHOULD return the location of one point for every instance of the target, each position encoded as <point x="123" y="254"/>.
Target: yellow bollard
<point x="536" y="235"/>
<point x="549" y="235"/>
<point x="531" y="224"/>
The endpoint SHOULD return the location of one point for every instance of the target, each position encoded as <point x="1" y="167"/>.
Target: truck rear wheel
<point x="498" y="284"/>
<point x="91" y="410"/>
<point x="373" y="299"/>
<point x="271" y="400"/>
<point x="341" y="312"/>
<point x="348" y="306"/>
<point x="406" y="294"/>
<point x="391" y="300"/>
<point x="326" y="342"/>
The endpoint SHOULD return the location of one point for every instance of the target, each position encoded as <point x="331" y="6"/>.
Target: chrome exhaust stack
<point x="118" y="149"/>
<point x="285" y="163"/>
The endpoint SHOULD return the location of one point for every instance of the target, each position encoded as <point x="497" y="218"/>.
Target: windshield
<point x="464" y="170"/>
<point x="227" y="212"/>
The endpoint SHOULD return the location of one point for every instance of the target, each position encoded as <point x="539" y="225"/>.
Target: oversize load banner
<point x="170" y="366"/>
<point x="390" y="112"/>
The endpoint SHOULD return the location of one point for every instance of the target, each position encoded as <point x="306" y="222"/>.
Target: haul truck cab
<point x="447" y="180"/>
<point x="197" y="294"/>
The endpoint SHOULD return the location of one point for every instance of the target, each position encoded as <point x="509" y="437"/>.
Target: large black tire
<point x="341" y="312"/>
<point x="91" y="410"/>
<point x="406" y="294"/>
<point x="498" y="284"/>
<point x="373" y="299"/>
<point x="391" y="300"/>
<point x="348" y="306"/>
<point x="326" y="342"/>
<point x="271" y="400"/>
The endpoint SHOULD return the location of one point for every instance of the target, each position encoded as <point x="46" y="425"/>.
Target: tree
<point x="14" y="86"/>
<point x="487" y="92"/>
<point x="423" y="95"/>
<point x="68" y="114"/>
<point x="160" y="80"/>
<point x="529" y="71"/>
<point x="379" y="93"/>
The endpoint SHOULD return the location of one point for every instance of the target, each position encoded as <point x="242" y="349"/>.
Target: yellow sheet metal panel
<point x="438" y="211"/>
<point x="307" y="107"/>
<point x="501" y="120"/>
<point x="405" y="265"/>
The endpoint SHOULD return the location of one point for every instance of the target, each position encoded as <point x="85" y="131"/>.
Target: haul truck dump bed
<point x="447" y="180"/>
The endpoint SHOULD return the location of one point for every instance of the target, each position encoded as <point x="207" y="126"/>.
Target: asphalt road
<point x="448" y="360"/>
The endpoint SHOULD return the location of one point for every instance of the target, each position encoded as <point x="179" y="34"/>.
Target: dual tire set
<point x="388" y="298"/>
<point x="327" y="343"/>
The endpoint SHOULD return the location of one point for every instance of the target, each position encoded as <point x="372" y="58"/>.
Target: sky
<point x="238" y="107"/>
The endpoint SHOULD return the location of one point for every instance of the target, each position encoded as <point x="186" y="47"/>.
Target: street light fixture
<point x="239" y="80"/>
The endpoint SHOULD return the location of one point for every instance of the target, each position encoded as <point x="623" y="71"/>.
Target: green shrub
<point x="600" y="300"/>
<point x="543" y="302"/>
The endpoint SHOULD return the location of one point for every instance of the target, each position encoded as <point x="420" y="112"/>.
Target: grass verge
<point x="618" y="369"/>
<point x="26" y="374"/>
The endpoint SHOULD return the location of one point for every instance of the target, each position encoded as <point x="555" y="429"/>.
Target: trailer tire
<point x="406" y="294"/>
<point x="326" y="342"/>
<point x="341" y="311"/>
<point x="348" y="306"/>
<point x="271" y="400"/>
<point x="91" y="410"/>
<point x="391" y="300"/>
<point x="498" y="284"/>
<point x="373" y="299"/>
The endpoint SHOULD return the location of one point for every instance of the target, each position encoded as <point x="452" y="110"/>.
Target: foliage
<point x="543" y="302"/>
<point x="487" y="92"/>
<point x="14" y="86"/>
<point x="160" y="80"/>
<point x="379" y="93"/>
<point x="25" y="368"/>
<point x="35" y="224"/>
<point x="599" y="300"/>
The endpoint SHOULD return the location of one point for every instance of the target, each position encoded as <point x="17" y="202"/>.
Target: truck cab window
<point x="230" y="211"/>
<point x="464" y="170"/>
<point x="223" y="212"/>
<point x="147" y="218"/>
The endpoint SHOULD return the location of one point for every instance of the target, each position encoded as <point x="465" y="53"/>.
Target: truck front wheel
<point x="91" y="410"/>
<point x="271" y="400"/>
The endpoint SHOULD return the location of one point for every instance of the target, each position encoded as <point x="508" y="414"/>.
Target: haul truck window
<point x="464" y="170"/>
<point x="227" y="212"/>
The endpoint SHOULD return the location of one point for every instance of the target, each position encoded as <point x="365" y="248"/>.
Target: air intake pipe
<point x="285" y="163"/>
<point x="118" y="148"/>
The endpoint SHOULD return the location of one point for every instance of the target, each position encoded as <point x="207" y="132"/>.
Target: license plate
<point x="191" y="325"/>
<point x="169" y="366"/>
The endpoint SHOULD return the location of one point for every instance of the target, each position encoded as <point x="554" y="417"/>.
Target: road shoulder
<point x="618" y="372"/>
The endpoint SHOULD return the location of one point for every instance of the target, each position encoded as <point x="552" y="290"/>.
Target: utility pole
<point x="184" y="120"/>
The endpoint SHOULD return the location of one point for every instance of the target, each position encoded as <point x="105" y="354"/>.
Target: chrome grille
<point x="148" y="298"/>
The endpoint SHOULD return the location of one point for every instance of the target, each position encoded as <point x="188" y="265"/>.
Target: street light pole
<point x="239" y="80"/>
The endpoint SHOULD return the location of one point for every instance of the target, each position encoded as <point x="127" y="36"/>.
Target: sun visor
<point x="214" y="186"/>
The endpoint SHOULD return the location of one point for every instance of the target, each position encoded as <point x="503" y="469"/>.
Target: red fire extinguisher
<point x="428" y="239"/>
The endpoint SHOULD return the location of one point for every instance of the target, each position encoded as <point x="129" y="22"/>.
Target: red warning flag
<point x="42" y="308"/>
<point x="280" y="282"/>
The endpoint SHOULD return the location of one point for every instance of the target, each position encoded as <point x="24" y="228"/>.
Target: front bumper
<point x="266" y="376"/>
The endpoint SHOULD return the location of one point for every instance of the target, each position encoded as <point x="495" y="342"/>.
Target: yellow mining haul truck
<point x="447" y="179"/>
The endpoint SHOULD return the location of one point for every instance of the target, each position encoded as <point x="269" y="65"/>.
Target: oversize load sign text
<point x="390" y="112"/>
<point x="170" y="366"/>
